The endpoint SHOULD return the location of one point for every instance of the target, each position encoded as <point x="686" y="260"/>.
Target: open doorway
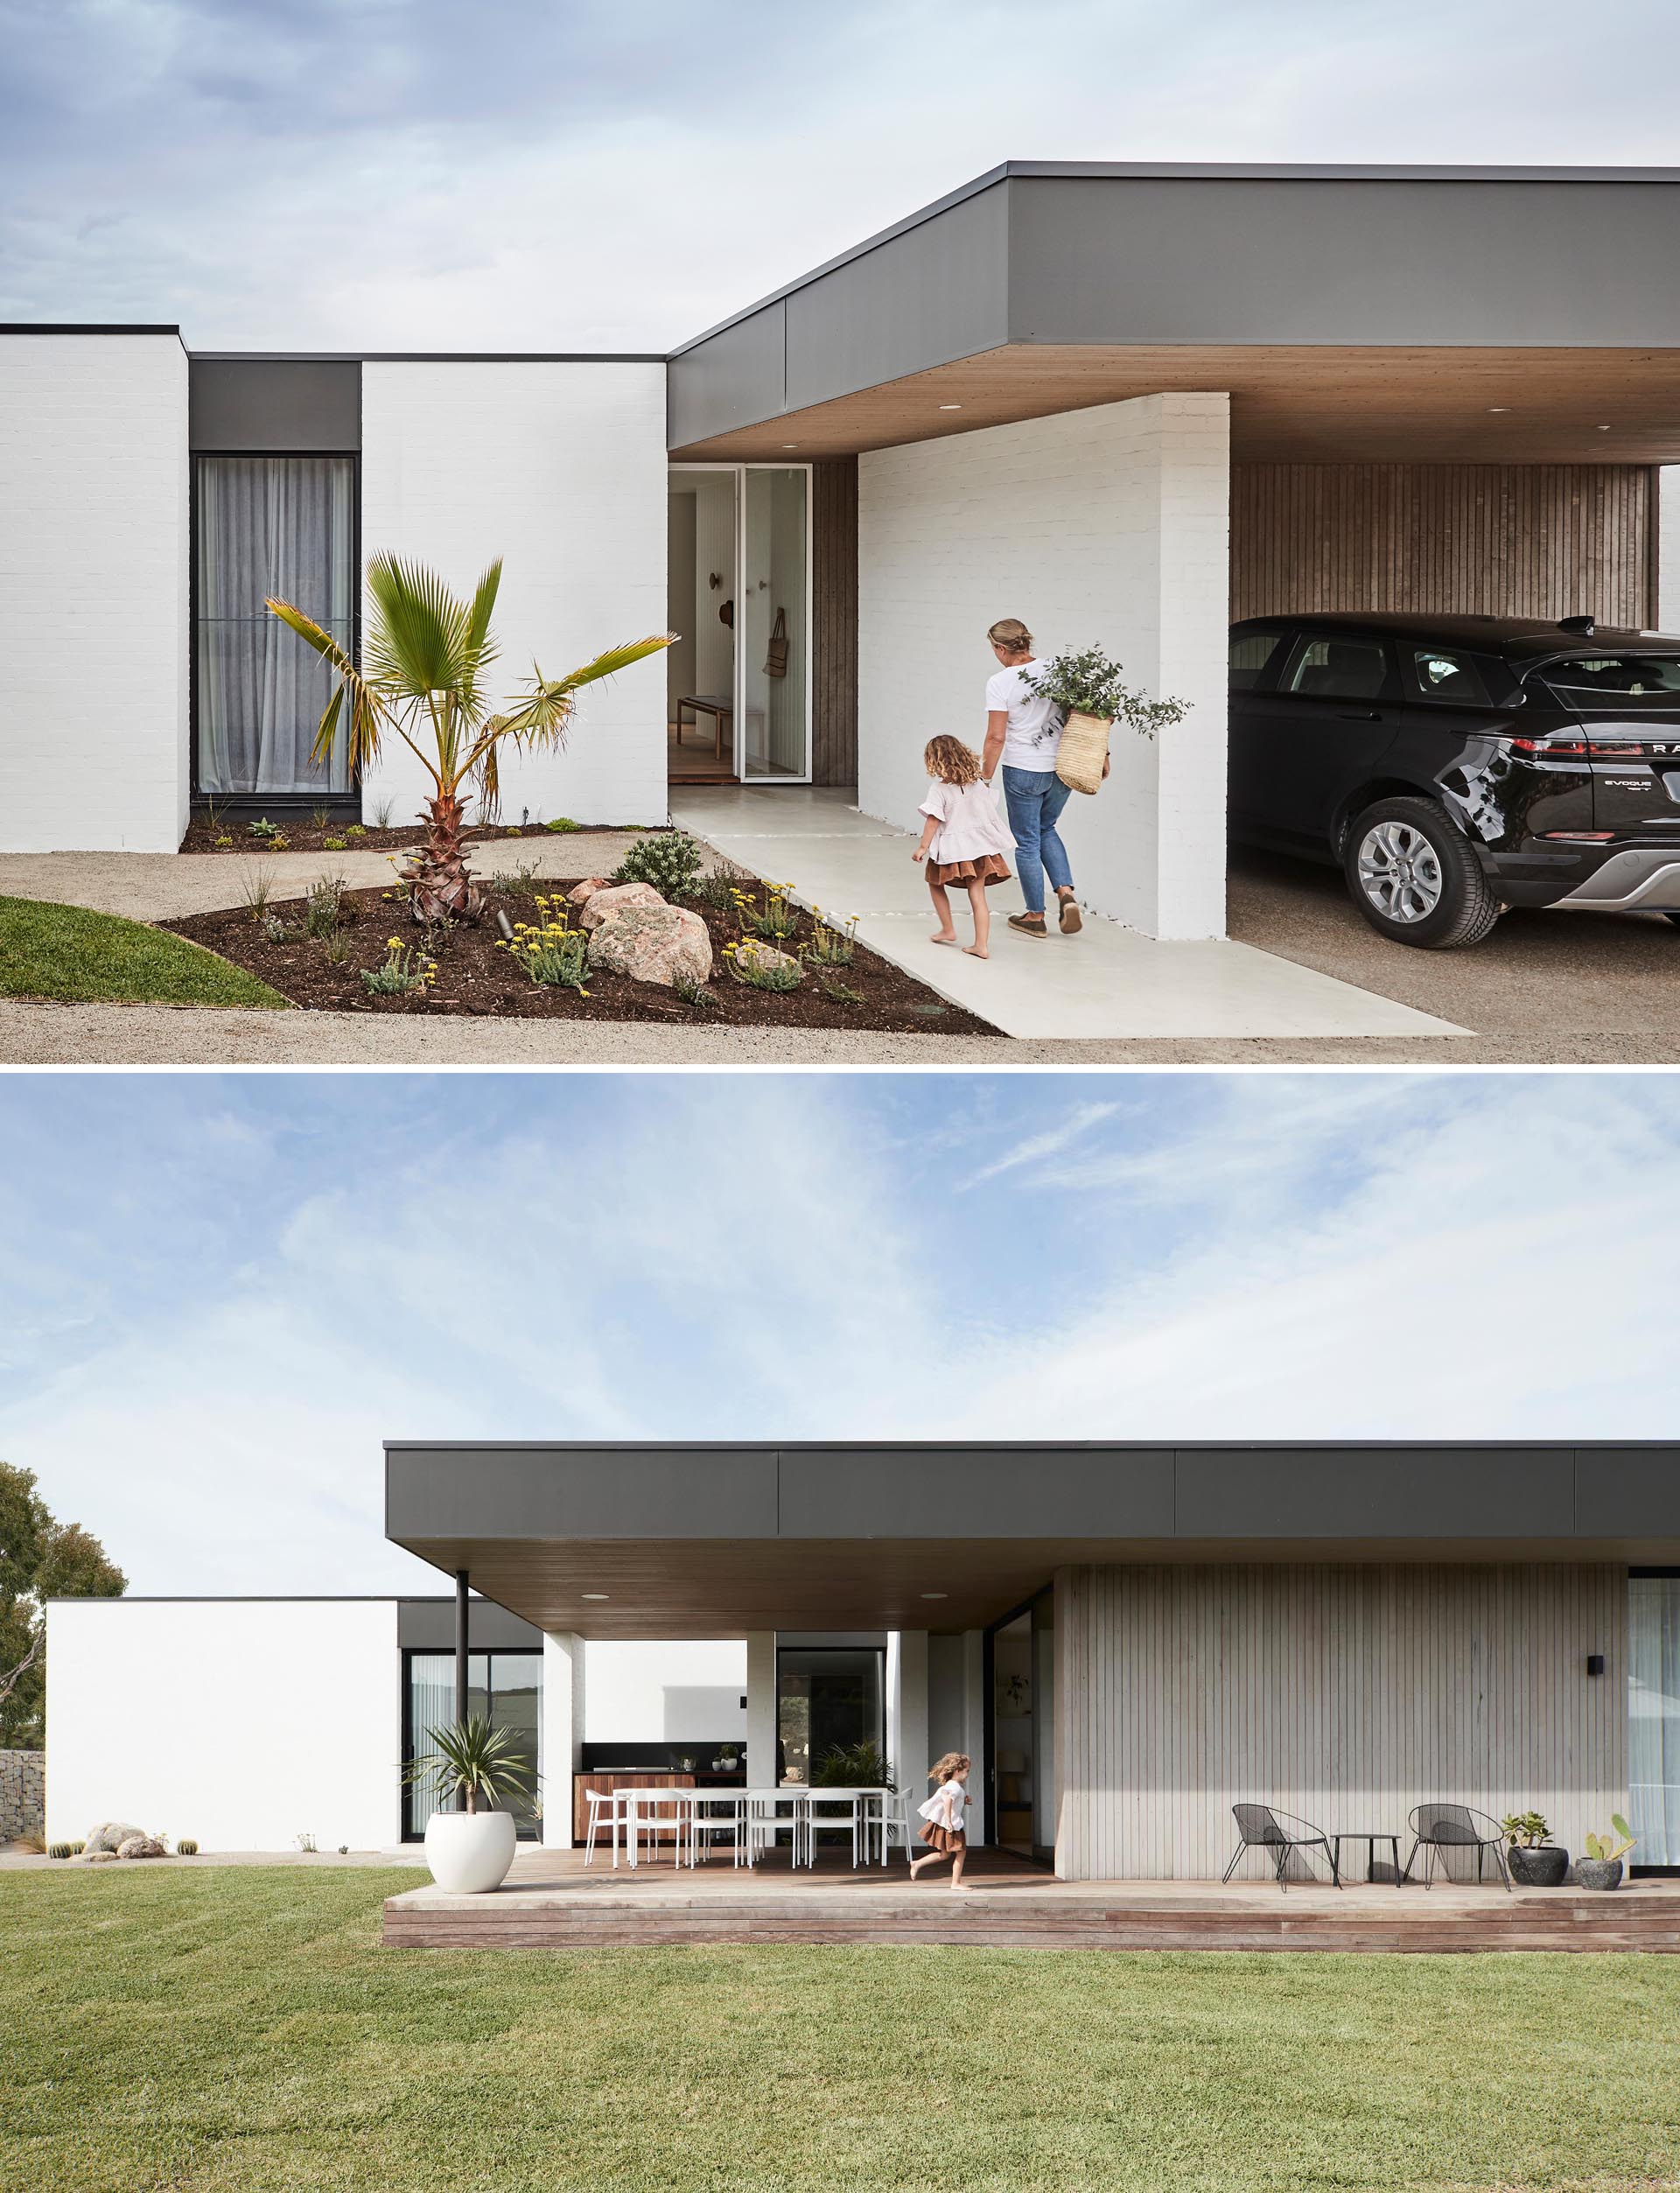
<point x="1021" y="1654"/>
<point x="737" y="690"/>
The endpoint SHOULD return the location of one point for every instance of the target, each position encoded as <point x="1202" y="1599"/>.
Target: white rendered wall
<point x="665" y="1693"/>
<point x="1668" y="549"/>
<point x="1106" y="527"/>
<point x="558" y="468"/>
<point x="564" y="1707"/>
<point x="243" y="1722"/>
<point x="93" y="593"/>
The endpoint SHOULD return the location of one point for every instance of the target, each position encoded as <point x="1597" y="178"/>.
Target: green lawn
<point x="68" y="952"/>
<point x="240" y="2028"/>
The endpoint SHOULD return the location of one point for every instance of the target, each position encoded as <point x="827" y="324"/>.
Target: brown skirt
<point x="989" y="869"/>
<point x="944" y="1837"/>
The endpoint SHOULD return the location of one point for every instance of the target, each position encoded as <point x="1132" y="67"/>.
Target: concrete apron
<point x="1107" y="982"/>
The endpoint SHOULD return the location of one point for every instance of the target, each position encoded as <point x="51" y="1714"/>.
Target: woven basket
<point x="1084" y="750"/>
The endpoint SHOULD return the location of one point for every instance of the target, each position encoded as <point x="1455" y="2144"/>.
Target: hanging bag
<point x="1084" y="750"/>
<point x="775" y="662"/>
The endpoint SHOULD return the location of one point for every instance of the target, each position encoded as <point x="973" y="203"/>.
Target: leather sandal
<point x="1027" y="925"/>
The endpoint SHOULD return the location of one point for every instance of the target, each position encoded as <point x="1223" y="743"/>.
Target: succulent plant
<point x="1608" y="1846"/>
<point x="60" y="1850"/>
<point x="185" y="1846"/>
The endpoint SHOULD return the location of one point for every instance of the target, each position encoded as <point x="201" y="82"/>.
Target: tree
<point x="40" y="1558"/>
<point x="425" y="657"/>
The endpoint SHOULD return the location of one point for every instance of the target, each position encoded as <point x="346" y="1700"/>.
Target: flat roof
<point x="701" y="1539"/>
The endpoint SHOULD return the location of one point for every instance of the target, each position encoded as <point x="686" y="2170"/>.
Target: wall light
<point x="1595" y="1663"/>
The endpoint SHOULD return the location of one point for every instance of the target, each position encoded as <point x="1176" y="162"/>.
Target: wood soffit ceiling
<point x="1288" y="406"/>
<point x="689" y="1588"/>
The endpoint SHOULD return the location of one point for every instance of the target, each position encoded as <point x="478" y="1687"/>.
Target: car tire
<point x="1415" y="876"/>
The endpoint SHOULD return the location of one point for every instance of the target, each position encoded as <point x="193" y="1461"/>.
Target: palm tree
<point x="422" y="678"/>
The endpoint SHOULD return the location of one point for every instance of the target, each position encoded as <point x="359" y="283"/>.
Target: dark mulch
<point x="474" y="977"/>
<point x="305" y="835"/>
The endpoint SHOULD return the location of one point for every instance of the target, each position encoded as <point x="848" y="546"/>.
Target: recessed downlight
<point x="1498" y="407"/>
<point x="790" y="444"/>
<point x="935" y="1595"/>
<point x="950" y="407"/>
<point x="594" y="1595"/>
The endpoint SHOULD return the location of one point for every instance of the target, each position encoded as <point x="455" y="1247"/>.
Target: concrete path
<point x="168" y="887"/>
<point x="1108" y="983"/>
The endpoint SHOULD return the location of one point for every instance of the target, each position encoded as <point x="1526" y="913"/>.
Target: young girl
<point x="963" y="839"/>
<point x="945" y="1833"/>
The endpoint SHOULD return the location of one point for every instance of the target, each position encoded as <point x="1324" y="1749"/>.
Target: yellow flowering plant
<point x="404" y="969"/>
<point x="549" y="950"/>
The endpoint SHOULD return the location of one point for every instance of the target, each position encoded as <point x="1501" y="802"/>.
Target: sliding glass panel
<point x="281" y="526"/>
<point x="1654" y="1719"/>
<point x="431" y="1705"/>
<point x="829" y="1699"/>
<point x="516" y="1704"/>
<point x="507" y="1686"/>
<point x="1013" y="1733"/>
<point x="774" y="737"/>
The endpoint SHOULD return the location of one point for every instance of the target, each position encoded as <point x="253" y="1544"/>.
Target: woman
<point x="1023" y="731"/>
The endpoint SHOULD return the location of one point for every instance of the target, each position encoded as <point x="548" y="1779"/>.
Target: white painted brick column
<point x="562" y="1732"/>
<point x="761" y="1709"/>
<point x="1109" y="526"/>
<point x="907" y="1708"/>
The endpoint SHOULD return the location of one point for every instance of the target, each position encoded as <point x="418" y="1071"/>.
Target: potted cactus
<point x="469" y="1851"/>
<point x="1601" y="1867"/>
<point x="1535" y="1860"/>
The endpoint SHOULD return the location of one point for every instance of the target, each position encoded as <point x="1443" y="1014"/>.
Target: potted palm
<point x="469" y="1851"/>
<point x="1601" y="1867"/>
<point x="1089" y="691"/>
<point x="425" y="654"/>
<point x="1535" y="1860"/>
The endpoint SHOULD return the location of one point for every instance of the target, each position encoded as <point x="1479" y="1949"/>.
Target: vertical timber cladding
<point x="834" y="621"/>
<point x="1496" y="540"/>
<point x="1344" y="1693"/>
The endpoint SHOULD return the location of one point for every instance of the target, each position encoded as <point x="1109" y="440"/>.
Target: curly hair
<point x="947" y="1770"/>
<point x="950" y="760"/>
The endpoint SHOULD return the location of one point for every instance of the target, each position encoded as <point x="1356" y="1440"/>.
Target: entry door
<point x="773" y="718"/>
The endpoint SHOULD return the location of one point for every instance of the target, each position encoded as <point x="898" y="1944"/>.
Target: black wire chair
<point x="1439" y="1827"/>
<point x="1262" y="1828"/>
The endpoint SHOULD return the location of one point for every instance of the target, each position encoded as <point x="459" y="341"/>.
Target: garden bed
<point x="304" y="834"/>
<point x="474" y="977"/>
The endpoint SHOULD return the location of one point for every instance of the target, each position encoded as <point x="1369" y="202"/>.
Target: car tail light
<point x="1620" y="750"/>
<point x="1547" y="745"/>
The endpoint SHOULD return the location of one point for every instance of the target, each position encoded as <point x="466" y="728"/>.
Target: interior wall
<point x="637" y="1691"/>
<point x="714" y="552"/>
<point x="681" y="656"/>
<point x="1345" y="1694"/>
<point x="1487" y="540"/>
<point x="1667" y="550"/>
<point x="1106" y="527"/>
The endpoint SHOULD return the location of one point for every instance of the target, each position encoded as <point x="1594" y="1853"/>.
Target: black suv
<point x="1454" y="765"/>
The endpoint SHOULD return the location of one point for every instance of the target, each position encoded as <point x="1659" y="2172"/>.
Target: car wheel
<point x="1415" y="876"/>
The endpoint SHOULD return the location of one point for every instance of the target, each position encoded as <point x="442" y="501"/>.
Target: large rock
<point x="140" y="1846"/>
<point x="110" y="1835"/>
<point x="601" y="906"/>
<point x="653" y="944"/>
<point x="586" y="889"/>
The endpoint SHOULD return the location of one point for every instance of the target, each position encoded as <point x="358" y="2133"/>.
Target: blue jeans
<point x="1035" y="799"/>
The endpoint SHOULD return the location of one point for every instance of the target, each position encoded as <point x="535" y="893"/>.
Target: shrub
<point x="185" y="1846"/>
<point x="669" y="862"/>
<point x="560" y="823"/>
<point x="550" y="950"/>
<point x="355" y="830"/>
<point x="324" y="908"/>
<point x="520" y="883"/>
<point x="335" y="845"/>
<point x="762" y="967"/>
<point x="263" y="829"/>
<point x="716" y="890"/>
<point x="224" y="841"/>
<point x="402" y="971"/>
<point x="694" y="993"/>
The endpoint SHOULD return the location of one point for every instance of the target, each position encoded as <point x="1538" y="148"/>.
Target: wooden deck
<point x="551" y="1902"/>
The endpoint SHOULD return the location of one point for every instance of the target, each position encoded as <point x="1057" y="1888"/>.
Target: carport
<point x="1131" y="403"/>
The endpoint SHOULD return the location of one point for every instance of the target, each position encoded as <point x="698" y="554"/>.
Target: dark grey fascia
<point x="1206" y="1494"/>
<point x="1065" y="252"/>
<point x="427" y="1625"/>
<point x="289" y="406"/>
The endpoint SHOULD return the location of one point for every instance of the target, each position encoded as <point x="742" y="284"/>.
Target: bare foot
<point x="939" y="937"/>
<point x="960" y="1887"/>
<point x="977" y="951"/>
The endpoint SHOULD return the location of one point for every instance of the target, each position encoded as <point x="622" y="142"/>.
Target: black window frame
<point x="410" y="1653"/>
<point x="814" y="1651"/>
<point x="1648" y="1872"/>
<point x="282" y="802"/>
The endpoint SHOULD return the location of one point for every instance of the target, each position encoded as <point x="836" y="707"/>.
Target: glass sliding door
<point x="1022" y="1656"/>
<point x="702" y="601"/>
<point x="1653" y="1718"/>
<point x="508" y="1687"/>
<point x="829" y="1699"/>
<point x="281" y="526"/>
<point x="775" y="651"/>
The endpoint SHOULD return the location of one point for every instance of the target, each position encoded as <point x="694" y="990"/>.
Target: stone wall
<point x="22" y="1793"/>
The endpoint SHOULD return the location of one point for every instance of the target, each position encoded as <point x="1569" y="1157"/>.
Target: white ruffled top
<point x="945" y="1807"/>
<point x="970" y="825"/>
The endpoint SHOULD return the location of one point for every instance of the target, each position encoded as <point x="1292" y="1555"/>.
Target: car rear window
<point x="1339" y="668"/>
<point x="1442" y="674"/>
<point x="1617" y="682"/>
<point x="1250" y="652"/>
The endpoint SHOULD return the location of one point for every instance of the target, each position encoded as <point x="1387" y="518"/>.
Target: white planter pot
<point x="470" y="1853"/>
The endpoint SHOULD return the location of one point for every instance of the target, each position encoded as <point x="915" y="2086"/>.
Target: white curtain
<point x="1654" y="1719"/>
<point x="269" y="525"/>
<point x="431" y="1705"/>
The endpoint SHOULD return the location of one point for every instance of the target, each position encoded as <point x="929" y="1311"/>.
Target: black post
<point x="460" y="1658"/>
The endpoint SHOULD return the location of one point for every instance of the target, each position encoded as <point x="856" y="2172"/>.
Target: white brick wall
<point x="1668" y="549"/>
<point x="1106" y="527"/>
<point x="559" y="468"/>
<point x="93" y="592"/>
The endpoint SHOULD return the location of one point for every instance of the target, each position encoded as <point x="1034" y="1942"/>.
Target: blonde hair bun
<point x="1011" y="632"/>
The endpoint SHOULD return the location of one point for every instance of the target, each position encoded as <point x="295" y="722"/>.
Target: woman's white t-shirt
<point x="1033" y="732"/>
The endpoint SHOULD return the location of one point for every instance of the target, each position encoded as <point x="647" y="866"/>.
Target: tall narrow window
<point x="282" y="526"/>
<point x="1653" y="1718"/>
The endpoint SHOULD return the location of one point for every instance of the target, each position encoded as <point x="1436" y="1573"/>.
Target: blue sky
<point x="601" y="173"/>
<point x="222" y="1292"/>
